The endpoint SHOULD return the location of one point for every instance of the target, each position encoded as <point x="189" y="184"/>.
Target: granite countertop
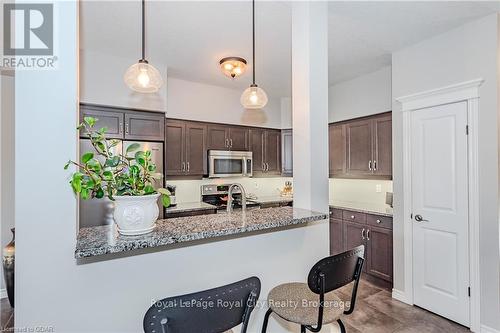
<point x="271" y="199"/>
<point x="189" y="207"/>
<point x="95" y="241"/>
<point x="377" y="209"/>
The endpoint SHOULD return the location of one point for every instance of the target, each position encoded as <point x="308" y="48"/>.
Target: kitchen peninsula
<point x="100" y="240"/>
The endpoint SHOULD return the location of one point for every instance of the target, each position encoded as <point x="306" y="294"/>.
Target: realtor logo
<point x="28" y="29"/>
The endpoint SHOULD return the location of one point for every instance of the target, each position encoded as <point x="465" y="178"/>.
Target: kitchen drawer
<point x="348" y="215"/>
<point x="379" y="221"/>
<point x="335" y="213"/>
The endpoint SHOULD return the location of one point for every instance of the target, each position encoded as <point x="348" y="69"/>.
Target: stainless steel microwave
<point x="223" y="164"/>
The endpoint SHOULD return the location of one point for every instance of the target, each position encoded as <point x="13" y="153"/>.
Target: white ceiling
<point x="191" y="37"/>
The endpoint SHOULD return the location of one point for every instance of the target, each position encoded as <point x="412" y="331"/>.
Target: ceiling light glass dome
<point x="253" y="98"/>
<point x="143" y="77"/>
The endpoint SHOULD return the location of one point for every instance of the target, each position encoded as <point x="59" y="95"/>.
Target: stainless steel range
<point x="217" y="195"/>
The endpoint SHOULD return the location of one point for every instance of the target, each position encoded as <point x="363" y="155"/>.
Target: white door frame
<point x="468" y="92"/>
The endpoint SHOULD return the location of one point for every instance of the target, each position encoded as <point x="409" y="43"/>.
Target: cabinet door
<point x="382" y="138"/>
<point x="359" y="147"/>
<point x="272" y="152"/>
<point x="143" y="126"/>
<point x="111" y="119"/>
<point x="174" y="148"/>
<point x="196" y="149"/>
<point x="354" y="236"/>
<point x="336" y="237"/>
<point x="287" y="153"/>
<point x="336" y="150"/>
<point x="379" y="248"/>
<point x="257" y="149"/>
<point x="238" y="138"/>
<point x="218" y="137"/>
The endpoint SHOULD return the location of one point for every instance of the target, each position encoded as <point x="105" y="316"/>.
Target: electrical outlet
<point x="378" y="188"/>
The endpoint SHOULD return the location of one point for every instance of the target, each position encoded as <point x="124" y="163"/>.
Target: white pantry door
<point x="440" y="210"/>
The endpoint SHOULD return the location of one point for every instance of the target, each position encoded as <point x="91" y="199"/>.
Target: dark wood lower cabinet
<point x="346" y="234"/>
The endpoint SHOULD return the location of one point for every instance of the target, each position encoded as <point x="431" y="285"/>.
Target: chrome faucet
<point x="230" y="197"/>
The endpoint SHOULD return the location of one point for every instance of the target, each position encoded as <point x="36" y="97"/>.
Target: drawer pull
<point x="378" y="221"/>
<point x="353" y="217"/>
<point x="363" y="234"/>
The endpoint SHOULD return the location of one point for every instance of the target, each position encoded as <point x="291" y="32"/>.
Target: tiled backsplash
<point x="349" y="190"/>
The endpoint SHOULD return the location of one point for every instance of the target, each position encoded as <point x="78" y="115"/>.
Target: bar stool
<point x="214" y="310"/>
<point x="299" y="302"/>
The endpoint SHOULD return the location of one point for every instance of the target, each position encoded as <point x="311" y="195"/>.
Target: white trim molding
<point x="467" y="91"/>
<point x="486" y="329"/>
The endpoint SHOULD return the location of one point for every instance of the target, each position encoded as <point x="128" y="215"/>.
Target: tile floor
<point x="376" y="312"/>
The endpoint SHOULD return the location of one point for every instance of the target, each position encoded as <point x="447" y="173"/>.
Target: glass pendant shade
<point x="143" y="77"/>
<point x="253" y="98"/>
<point x="233" y="66"/>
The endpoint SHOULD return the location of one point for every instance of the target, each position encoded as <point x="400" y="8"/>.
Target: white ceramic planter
<point x="136" y="215"/>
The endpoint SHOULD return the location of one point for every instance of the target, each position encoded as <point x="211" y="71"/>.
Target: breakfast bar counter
<point x="101" y="240"/>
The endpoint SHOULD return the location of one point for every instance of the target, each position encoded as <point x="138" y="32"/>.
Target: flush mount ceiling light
<point x="233" y="66"/>
<point x="143" y="77"/>
<point x="253" y="97"/>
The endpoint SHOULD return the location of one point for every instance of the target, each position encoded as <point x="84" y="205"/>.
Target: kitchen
<point x="266" y="191"/>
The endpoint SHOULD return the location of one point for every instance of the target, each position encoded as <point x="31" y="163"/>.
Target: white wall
<point x="101" y="82"/>
<point x="204" y="102"/>
<point x="362" y="96"/>
<point x="466" y="53"/>
<point x="286" y="113"/>
<point x="6" y="161"/>
<point x="113" y="295"/>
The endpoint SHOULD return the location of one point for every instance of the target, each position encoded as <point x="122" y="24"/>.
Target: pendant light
<point x="143" y="77"/>
<point x="253" y="97"/>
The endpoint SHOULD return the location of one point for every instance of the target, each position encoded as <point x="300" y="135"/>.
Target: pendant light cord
<point x="143" y="30"/>
<point x="253" y="39"/>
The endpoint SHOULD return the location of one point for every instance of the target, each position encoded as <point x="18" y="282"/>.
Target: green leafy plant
<point x="103" y="173"/>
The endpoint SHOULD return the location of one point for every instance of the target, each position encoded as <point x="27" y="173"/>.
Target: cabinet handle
<point x="120" y="128"/>
<point x="370" y="165"/>
<point x="374" y="165"/>
<point x="227" y="143"/>
<point x="363" y="234"/>
<point x="183" y="166"/>
<point x="378" y="221"/>
<point x="368" y="234"/>
<point x="126" y="128"/>
<point x="267" y="167"/>
<point x="187" y="166"/>
<point x="231" y="143"/>
<point x="353" y="217"/>
<point x="263" y="166"/>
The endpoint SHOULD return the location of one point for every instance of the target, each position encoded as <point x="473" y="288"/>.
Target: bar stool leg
<point x="302" y="329"/>
<point x="341" y="325"/>
<point x="266" y="319"/>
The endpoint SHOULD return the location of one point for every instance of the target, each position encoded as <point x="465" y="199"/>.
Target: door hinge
<point x="467" y="130"/>
<point x="468" y="290"/>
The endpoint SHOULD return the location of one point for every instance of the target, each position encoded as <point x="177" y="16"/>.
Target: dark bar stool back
<point x="211" y="311"/>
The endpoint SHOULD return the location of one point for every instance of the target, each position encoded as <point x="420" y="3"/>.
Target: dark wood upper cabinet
<point x="337" y="150"/>
<point x="185" y="148"/>
<point x="196" y="148"/>
<point x="238" y="138"/>
<point x="143" y="126"/>
<point x="272" y="151"/>
<point x="287" y="153"/>
<point x="379" y="247"/>
<point x="105" y="118"/>
<point x="257" y="149"/>
<point x="382" y="132"/>
<point x="175" y="134"/>
<point x="359" y="147"/>
<point x="218" y="137"/>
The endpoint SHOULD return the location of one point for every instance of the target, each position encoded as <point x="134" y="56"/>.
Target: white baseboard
<point x="486" y="329"/>
<point x="3" y="293"/>
<point x="401" y="296"/>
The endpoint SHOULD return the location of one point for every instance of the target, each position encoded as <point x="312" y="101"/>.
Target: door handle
<point x="419" y="218"/>
<point x="363" y="234"/>
<point x="368" y="234"/>
<point x="370" y="165"/>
